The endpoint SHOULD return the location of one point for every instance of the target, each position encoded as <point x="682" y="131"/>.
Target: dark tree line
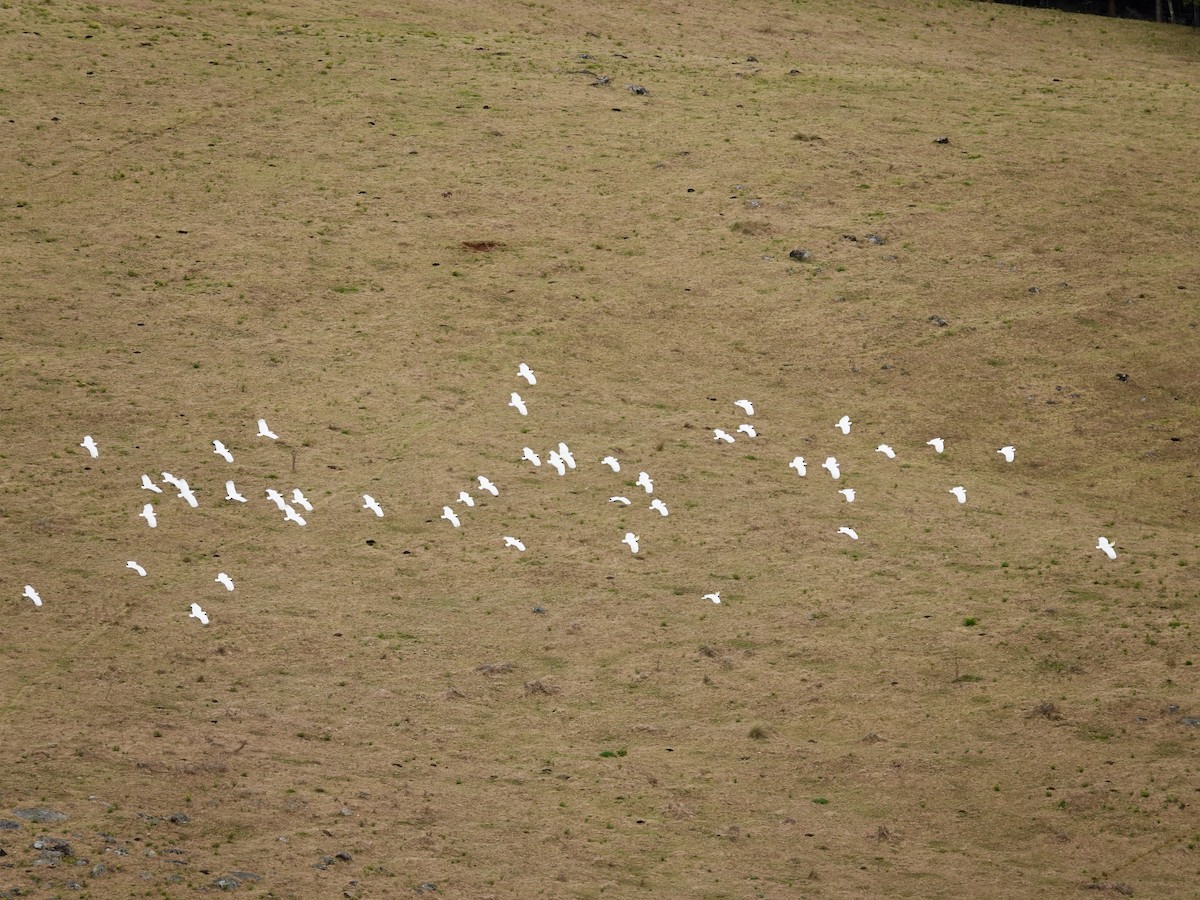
<point x="1182" y="12"/>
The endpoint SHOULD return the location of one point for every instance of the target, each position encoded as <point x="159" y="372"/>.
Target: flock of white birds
<point x="560" y="458"/>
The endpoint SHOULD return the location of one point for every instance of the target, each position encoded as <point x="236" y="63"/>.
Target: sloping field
<point x="355" y="220"/>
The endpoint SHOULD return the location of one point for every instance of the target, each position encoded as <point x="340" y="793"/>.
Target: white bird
<point x="277" y="498"/>
<point x="523" y="371"/>
<point x="486" y="485"/>
<point x="220" y="450"/>
<point x="147" y="513"/>
<point x="960" y="493"/>
<point x="90" y="446"/>
<point x="937" y="444"/>
<point x="170" y="479"/>
<point x="831" y="466"/>
<point x="886" y="451"/>
<point x="798" y="465"/>
<point x="719" y="435"/>
<point x="643" y="481"/>
<point x="848" y="493"/>
<point x="747" y="430"/>
<point x="232" y="494"/>
<point x="611" y="462"/>
<point x="844" y="424"/>
<point x="198" y="613"/>
<point x="531" y="456"/>
<point x="32" y="595"/>
<point x="464" y="497"/>
<point x="264" y="431"/>
<point x="224" y="580"/>
<point x="290" y="515"/>
<point x="624" y="501"/>
<point x="849" y="532"/>
<point x="1106" y="545"/>
<point x="148" y="485"/>
<point x="632" y="540"/>
<point x="449" y="516"/>
<point x="567" y="456"/>
<point x="1008" y="453"/>
<point x="746" y="405"/>
<point x="557" y="461"/>
<point x="715" y="597"/>
<point x="659" y="507"/>
<point x="369" y="503"/>
<point x="513" y="542"/>
<point x="133" y="565"/>
<point x="299" y="498"/>
<point x="185" y="493"/>
<point x="518" y="404"/>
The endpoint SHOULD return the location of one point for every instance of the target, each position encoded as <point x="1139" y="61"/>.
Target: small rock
<point x="601" y="81"/>
<point x="9" y="825"/>
<point x="323" y="863"/>
<point x="494" y="668"/>
<point x="1122" y="376"/>
<point x="794" y="72"/>
<point x="539" y="609"/>
<point x="1035" y="290"/>
<point x="938" y="321"/>
<point x="73" y="886"/>
<point x="178" y="818"/>
<point x="344" y="856"/>
<point x="638" y="89"/>
<point x="876" y="240"/>
<point x="800" y="254"/>
<point x="39" y="814"/>
<point x="426" y="886"/>
<point x="345" y="811"/>
<point x="53" y="845"/>
<point x="941" y="140"/>
<point x="233" y="880"/>
<point x="1192" y="721"/>
<point x="98" y="870"/>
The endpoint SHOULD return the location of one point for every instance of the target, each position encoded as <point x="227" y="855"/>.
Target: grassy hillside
<point x="356" y="220"/>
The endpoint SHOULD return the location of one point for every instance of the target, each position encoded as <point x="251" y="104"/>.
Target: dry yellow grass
<point x="356" y="220"/>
